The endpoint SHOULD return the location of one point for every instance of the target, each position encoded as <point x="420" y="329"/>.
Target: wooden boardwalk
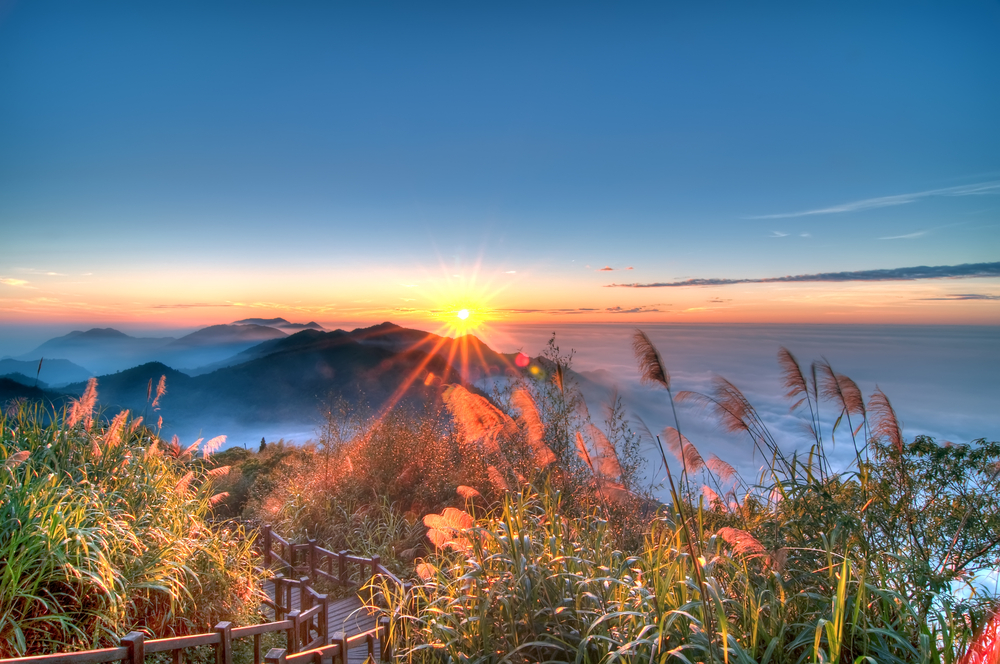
<point x="347" y="615"/>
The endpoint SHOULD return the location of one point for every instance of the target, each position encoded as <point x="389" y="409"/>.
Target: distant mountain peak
<point x="99" y="333"/>
<point x="262" y="321"/>
<point x="381" y="327"/>
<point x="279" y="323"/>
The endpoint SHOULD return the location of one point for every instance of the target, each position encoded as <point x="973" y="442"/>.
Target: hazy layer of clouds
<point x="956" y="404"/>
<point x="888" y="201"/>
<point x="964" y="296"/>
<point x="895" y="274"/>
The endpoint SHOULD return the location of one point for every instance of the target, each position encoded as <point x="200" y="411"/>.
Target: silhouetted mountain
<point x="11" y="391"/>
<point x="212" y="344"/>
<point x="284" y="386"/>
<point x="263" y="349"/>
<point x="101" y="350"/>
<point x="279" y="323"/>
<point x="25" y="380"/>
<point x="54" y="372"/>
<point x="261" y="321"/>
<point x="466" y="354"/>
<point x="226" y="334"/>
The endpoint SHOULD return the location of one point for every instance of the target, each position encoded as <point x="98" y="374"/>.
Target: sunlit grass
<point x="104" y="532"/>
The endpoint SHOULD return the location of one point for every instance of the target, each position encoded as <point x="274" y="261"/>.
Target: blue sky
<point x="346" y="162"/>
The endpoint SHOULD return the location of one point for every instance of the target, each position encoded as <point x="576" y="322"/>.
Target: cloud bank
<point x="896" y="274"/>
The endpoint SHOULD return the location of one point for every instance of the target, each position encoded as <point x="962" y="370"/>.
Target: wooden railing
<point x="307" y="634"/>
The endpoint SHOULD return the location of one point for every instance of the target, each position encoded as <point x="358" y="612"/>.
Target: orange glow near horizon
<point x="433" y="299"/>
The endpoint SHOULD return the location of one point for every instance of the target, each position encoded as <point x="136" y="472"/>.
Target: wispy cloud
<point x="194" y="305"/>
<point x="633" y="310"/>
<point x="908" y="236"/>
<point x="964" y="296"/>
<point x="608" y="268"/>
<point x="778" y="234"/>
<point x="14" y="282"/>
<point x="889" y="201"/>
<point x="897" y="274"/>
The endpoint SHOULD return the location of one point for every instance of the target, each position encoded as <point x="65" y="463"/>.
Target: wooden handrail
<point x="297" y="625"/>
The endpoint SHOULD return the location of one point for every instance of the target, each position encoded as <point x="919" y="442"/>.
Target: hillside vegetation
<point x="528" y="540"/>
<point x="525" y="528"/>
<point x="106" y="529"/>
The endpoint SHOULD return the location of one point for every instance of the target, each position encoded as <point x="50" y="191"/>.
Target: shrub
<point x="104" y="532"/>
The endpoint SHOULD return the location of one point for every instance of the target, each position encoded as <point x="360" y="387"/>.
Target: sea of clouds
<point x="941" y="380"/>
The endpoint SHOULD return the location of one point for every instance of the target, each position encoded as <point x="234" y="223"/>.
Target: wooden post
<point x="293" y="632"/>
<point x="224" y="650"/>
<point x="256" y="649"/>
<point x="324" y="618"/>
<point x="383" y="637"/>
<point x="136" y="644"/>
<point x="370" y="641"/>
<point x="312" y="559"/>
<point x="339" y="638"/>
<point x="267" y="545"/>
<point x="275" y="656"/>
<point x="342" y="573"/>
<point x="376" y="561"/>
<point x="279" y="608"/>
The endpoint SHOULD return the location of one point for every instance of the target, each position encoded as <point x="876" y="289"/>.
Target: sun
<point x="463" y="314"/>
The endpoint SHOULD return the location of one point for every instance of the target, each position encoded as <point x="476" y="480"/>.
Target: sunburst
<point x="460" y="305"/>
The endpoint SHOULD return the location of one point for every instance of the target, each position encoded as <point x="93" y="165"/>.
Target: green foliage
<point x="812" y="564"/>
<point x="103" y="533"/>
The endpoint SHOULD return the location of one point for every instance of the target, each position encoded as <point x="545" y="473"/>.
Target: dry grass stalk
<point x="478" y="419"/>
<point x="446" y="530"/>
<point x="743" y="543"/>
<point x="559" y="377"/>
<point x="161" y="389"/>
<point x="112" y="437"/>
<point x="182" y="485"/>
<point x="581" y="450"/>
<point x="136" y="423"/>
<point x="840" y="389"/>
<point x="497" y="479"/>
<point x="425" y="571"/>
<point x="887" y="426"/>
<point x="467" y="492"/>
<point x="221" y="471"/>
<point x="652" y="369"/>
<point x="218" y="498"/>
<point x="795" y="382"/>
<point x="188" y="453"/>
<point x="82" y="409"/>
<point x="616" y="492"/>
<point x="711" y="496"/>
<point x="536" y="430"/>
<point x="683" y="449"/>
<point x="606" y="460"/>
<point x="725" y="404"/>
<point x="724" y="471"/>
<point x="15" y="460"/>
<point x="212" y="445"/>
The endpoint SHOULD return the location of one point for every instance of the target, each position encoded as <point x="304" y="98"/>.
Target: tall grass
<point x="809" y="563"/>
<point x="103" y="531"/>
